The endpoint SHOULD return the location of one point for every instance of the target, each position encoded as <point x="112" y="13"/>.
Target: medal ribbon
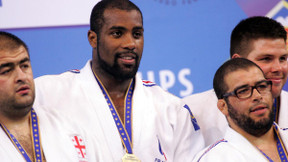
<point x="35" y="139"/>
<point x="276" y="106"/>
<point x="280" y="147"/>
<point x="125" y="132"/>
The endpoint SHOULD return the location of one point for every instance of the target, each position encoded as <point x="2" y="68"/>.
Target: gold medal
<point x="130" y="158"/>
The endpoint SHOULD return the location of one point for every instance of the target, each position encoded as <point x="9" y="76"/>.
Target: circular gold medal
<point x="130" y="158"/>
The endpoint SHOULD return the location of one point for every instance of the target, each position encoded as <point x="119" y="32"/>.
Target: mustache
<point x="259" y="105"/>
<point x="129" y="52"/>
<point x="22" y="86"/>
<point x="126" y="52"/>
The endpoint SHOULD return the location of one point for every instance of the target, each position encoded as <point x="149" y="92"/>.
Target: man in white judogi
<point x="27" y="135"/>
<point x="263" y="41"/>
<point x="56" y="142"/>
<point x="133" y="119"/>
<point x="245" y="99"/>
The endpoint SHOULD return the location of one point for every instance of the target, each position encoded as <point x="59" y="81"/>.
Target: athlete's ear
<point x="92" y="38"/>
<point x="222" y="106"/>
<point x="235" y="55"/>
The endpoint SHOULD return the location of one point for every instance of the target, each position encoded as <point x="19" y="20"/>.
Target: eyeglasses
<point x="246" y="91"/>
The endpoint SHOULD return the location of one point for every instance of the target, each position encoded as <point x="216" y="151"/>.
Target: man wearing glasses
<point x="263" y="41"/>
<point x="245" y="98"/>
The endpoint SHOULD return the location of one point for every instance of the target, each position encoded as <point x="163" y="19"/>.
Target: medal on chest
<point x="130" y="158"/>
<point x="124" y="128"/>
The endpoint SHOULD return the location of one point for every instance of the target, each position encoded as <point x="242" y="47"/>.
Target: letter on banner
<point x="167" y="79"/>
<point x="185" y="82"/>
<point x="150" y="76"/>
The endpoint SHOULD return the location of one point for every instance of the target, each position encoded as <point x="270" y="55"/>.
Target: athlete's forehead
<point x="14" y="56"/>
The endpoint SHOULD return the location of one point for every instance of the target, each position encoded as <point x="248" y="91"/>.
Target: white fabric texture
<point x="234" y="147"/>
<point x="158" y="117"/>
<point x="56" y="142"/>
<point x="213" y="123"/>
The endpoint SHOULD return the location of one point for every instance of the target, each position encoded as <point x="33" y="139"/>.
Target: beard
<point x="16" y="109"/>
<point x="255" y="128"/>
<point x="115" y="70"/>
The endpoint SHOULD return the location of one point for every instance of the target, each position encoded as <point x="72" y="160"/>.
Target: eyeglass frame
<point x="233" y="93"/>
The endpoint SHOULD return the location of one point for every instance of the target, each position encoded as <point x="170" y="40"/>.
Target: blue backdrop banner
<point x="185" y="40"/>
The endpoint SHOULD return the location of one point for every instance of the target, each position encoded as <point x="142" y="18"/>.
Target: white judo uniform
<point x="235" y="148"/>
<point x="162" y="129"/>
<point x="56" y="143"/>
<point x="213" y="123"/>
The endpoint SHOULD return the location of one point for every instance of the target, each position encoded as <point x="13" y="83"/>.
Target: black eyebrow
<point x="247" y="85"/>
<point x="117" y="27"/>
<point x="138" y="28"/>
<point x="10" y="64"/>
<point x="26" y="59"/>
<point x="261" y="81"/>
<point x="242" y="86"/>
<point x="122" y="28"/>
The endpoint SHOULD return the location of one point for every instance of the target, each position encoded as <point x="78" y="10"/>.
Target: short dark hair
<point x="219" y="84"/>
<point x="10" y="42"/>
<point x="97" y="14"/>
<point x="251" y="29"/>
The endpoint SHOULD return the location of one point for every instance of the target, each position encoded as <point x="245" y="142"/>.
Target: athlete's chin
<point x="23" y="103"/>
<point x="129" y="71"/>
<point x="128" y="75"/>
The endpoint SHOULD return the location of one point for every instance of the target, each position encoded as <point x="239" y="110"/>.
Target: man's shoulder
<point x="284" y="102"/>
<point x="65" y="79"/>
<point x="54" y="77"/>
<point x="284" y="93"/>
<point x="65" y="76"/>
<point x="202" y="98"/>
<point x="206" y="94"/>
<point x="214" y="152"/>
<point x="151" y="88"/>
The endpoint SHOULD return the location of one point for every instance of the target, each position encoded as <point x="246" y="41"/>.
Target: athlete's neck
<point x="266" y="143"/>
<point x="111" y="84"/>
<point x="20" y="128"/>
<point x="15" y="121"/>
